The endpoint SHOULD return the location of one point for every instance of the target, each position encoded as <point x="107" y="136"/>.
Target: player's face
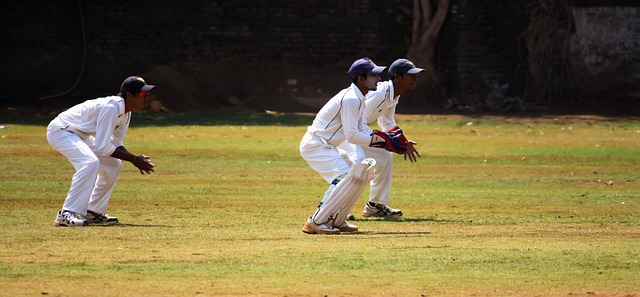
<point x="409" y="80"/>
<point x="138" y="101"/>
<point x="372" y="81"/>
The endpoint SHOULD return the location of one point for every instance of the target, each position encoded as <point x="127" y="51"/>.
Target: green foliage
<point x="493" y="208"/>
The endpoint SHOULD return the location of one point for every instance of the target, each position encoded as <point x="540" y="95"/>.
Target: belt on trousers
<point x="322" y="140"/>
<point x="75" y="131"/>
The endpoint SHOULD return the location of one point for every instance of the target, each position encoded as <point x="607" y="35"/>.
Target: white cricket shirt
<point x="341" y="118"/>
<point x="104" y="118"/>
<point x="381" y="105"/>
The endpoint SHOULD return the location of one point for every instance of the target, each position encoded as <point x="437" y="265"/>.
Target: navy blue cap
<point x="401" y="66"/>
<point x="364" y="66"/>
<point x="135" y="84"/>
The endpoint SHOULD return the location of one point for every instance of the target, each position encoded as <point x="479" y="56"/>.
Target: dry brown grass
<point x="223" y="218"/>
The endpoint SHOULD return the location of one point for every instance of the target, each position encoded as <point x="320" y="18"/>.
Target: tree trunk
<point x="427" y="23"/>
<point x="547" y="72"/>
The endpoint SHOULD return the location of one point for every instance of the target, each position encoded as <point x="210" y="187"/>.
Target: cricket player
<point x="342" y="119"/>
<point x="381" y="106"/>
<point x="91" y="136"/>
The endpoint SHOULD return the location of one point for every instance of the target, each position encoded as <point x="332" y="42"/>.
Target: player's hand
<point x="143" y="163"/>
<point x="412" y="152"/>
<point x="393" y="143"/>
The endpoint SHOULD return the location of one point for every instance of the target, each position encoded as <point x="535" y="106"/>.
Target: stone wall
<point x="284" y="55"/>
<point x="273" y="54"/>
<point x="480" y="43"/>
<point x="605" y="54"/>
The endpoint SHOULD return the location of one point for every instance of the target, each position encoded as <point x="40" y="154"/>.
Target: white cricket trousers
<point x="95" y="177"/>
<point x="325" y="159"/>
<point x="380" y="186"/>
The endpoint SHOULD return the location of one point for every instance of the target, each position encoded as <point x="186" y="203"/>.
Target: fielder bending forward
<point x="341" y="119"/>
<point x="380" y="105"/>
<point x="91" y="136"/>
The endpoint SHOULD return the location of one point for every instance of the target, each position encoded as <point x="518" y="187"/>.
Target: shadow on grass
<point x="400" y="220"/>
<point x="386" y="233"/>
<point x="120" y="225"/>
<point x="185" y="119"/>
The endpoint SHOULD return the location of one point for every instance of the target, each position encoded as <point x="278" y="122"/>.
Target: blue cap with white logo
<point x="135" y="84"/>
<point x="364" y="66"/>
<point x="401" y="66"/>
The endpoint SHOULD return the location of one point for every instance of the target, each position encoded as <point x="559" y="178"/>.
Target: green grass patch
<point x="495" y="207"/>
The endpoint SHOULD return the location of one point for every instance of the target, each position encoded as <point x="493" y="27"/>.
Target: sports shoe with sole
<point x="380" y="210"/>
<point x="347" y="227"/>
<point x="96" y="218"/>
<point x="68" y="218"/>
<point x="312" y="228"/>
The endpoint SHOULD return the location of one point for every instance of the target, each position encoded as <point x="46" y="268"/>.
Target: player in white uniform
<point x="381" y="106"/>
<point x="91" y="136"/>
<point x="341" y="119"/>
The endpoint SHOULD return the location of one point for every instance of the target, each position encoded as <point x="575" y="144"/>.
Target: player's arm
<point x="411" y="152"/>
<point x="105" y="125"/>
<point x="387" y="122"/>
<point x="392" y="140"/>
<point x="350" y="116"/>
<point x="374" y="101"/>
<point x="120" y="132"/>
<point x="142" y="162"/>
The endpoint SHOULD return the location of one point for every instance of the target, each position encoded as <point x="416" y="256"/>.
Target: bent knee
<point x="90" y="163"/>
<point x="117" y="163"/>
<point x="112" y="163"/>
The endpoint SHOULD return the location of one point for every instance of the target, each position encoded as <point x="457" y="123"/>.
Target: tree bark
<point x="427" y="23"/>
<point x="547" y="74"/>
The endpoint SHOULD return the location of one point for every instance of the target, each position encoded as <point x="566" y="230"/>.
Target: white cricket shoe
<point x="68" y="218"/>
<point x="380" y="210"/>
<point x="347" y="227"/>
<point x="96" y="218"/>
<point x="312" y="228"/>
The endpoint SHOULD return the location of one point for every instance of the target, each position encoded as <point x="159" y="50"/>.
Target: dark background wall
<point x="257" y="55"/>
<point x="206" y="54"/>
<point x="605" y="55"/>
<point x="480" y="42"/>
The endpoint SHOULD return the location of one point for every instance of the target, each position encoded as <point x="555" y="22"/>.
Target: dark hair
<point x="123" y="93"/>
<point x="392" y="77"/>
<point x="355" y="80"/>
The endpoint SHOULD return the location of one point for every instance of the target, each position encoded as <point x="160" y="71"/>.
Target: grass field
<point x="495" y="207"/>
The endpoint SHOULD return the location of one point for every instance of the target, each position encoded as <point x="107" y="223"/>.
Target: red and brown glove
<point x="392" y="140"/>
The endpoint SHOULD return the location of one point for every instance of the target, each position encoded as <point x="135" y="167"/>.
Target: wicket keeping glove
<point x="394" y="142"/>
<point x="397" y="131"/>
